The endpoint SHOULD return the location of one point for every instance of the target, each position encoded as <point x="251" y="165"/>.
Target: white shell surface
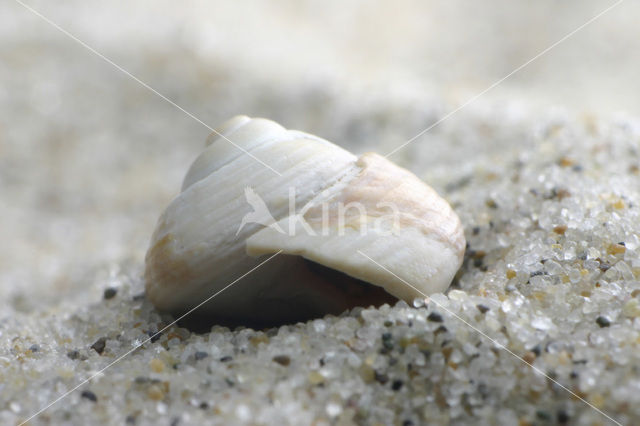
<point x="196" y="249"/>
<point x="416" y="256"/>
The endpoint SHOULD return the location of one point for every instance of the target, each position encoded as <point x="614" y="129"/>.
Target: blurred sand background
<point x="89" y="157"/>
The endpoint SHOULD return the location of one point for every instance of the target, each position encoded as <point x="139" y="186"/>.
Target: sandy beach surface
<point x="540" y="326"/>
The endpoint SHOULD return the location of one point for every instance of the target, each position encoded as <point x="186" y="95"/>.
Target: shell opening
<point x="327" y="291"/>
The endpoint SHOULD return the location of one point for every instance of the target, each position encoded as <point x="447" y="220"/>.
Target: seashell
<point x="324" y="209"/>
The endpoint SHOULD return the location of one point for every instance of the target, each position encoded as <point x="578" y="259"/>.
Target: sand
<point x="541" y="325"/>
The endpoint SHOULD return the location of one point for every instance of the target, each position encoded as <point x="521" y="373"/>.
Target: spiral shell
<point x="326" y="210"/>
